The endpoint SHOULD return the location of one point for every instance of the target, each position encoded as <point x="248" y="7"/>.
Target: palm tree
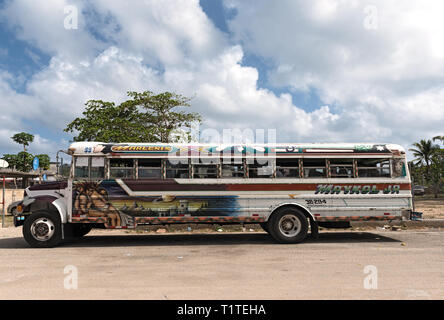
<point x="441" y="138"/>
<point x="423" y="152"/>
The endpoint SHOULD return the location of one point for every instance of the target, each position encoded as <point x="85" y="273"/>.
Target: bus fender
<point x="294" y="204"/>
<point x="61" y="208"/>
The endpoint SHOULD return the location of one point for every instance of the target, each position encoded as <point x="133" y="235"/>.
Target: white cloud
<point x="41" y="23"/>
<point x="372" y="82"/>
<point x="170" y="32"/>
<point x="388" y="80"/>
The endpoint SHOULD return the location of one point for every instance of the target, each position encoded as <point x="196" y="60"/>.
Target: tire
<point x="264" y="226"/>
<point x="77" y="230"/>
<point x="288" y="225"/>
<point x="42" y="229"/>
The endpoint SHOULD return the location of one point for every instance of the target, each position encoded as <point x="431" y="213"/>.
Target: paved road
<point x="118" y="265"/>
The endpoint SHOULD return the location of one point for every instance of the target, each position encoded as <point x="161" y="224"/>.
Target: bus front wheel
<point x="42" y="230"/>
<point x="288" y="225"/>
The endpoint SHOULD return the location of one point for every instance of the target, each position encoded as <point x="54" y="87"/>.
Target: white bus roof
<point x="100" y="148"/>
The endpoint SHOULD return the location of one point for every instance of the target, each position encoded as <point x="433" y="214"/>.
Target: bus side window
<point x="314" y="168"/>
<point x="149" y="168"/>
<point x="81" y="169"/>
<point x="177" y="168"/>
<point x="373" y="168"/>
<point x="341" y="168"/>
<point x="205" y="168"/>
<point x="260" y="168"/>
<point x="232" y="168"/>
<point x="287" y="168"/>
<point x="121" y="168"/>
<point x="97" y="167"/>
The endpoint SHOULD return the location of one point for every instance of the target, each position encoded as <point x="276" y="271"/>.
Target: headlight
<point x="19" y="208"/>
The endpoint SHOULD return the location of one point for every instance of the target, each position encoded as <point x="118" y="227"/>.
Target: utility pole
<point x="3" y="202"/>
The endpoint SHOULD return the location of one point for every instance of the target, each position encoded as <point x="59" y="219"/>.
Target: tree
<point x="145" y="117"/>
<point x="423" y="153"/>
<point x="160" y="114"/>
<point x="24" y="161"/>
<point x="23" y="138"/>
<point x="11" y="159"/>
<point x="105" y="122"/>
<point x="437" y="171"/>
<point x="44" y="161"/>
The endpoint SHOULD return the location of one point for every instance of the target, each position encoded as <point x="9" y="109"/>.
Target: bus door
<point x="90" y="197"/>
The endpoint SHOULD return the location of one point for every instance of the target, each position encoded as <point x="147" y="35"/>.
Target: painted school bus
<point x="289" y="189"/>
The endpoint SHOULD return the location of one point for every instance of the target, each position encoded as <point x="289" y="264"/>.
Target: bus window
<point x="287" y="168"/>
<point x="314" y="168"/>
<point x="373" y="168"/>
<point x="81" y="167"/>
<point x="97" y="167"/>
<point x="177" y="168"/>
<point x="260" y="168"/>
<point x="205" y="168"/>
<point x="341" y="168"/>
<point x="121" y="168"/>
<point x="149" y="168"/>
<point x="232" y="168"/>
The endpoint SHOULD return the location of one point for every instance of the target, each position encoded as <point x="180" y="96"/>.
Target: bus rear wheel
<point x="42" y="230"/>
<point x="288" y="225"/>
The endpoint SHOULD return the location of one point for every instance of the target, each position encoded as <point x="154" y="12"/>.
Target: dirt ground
<point x="111" y="264"/>
<point x="430" y="207"/>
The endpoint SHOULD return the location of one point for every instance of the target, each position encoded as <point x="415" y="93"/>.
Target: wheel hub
<point x="289" y="225"/>
<point x="42" y="229"/>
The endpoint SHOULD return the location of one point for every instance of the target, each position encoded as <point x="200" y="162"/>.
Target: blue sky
<point x="314" y="71"/>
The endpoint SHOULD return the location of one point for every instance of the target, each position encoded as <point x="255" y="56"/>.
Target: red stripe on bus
<point x="305" y="187"/>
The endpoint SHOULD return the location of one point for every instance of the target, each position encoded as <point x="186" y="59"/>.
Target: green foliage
<point x="423" y="152"/>
<point x="11" y="159"/>
<point x="44" y="161"/>
<point x="160" y="113"/>
<point x="105" y="122"/>
<point x="428" y="167"/>
<point x="23" y="160"/>
<point x="23" y="138"/>
<point x="437" y="171"/>
<point x="145" y="117"/>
